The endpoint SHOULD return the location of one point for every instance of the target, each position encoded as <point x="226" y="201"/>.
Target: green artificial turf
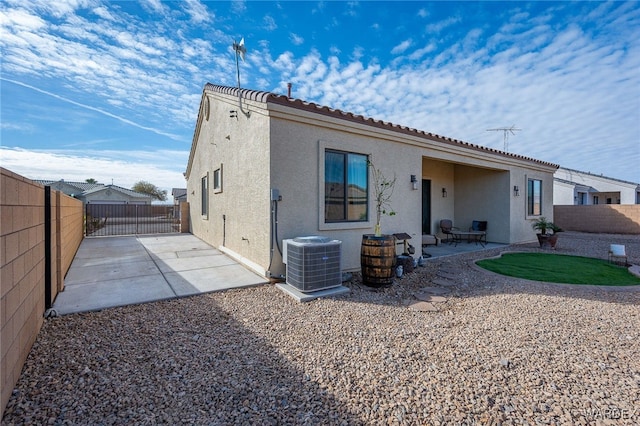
<point x="558" y="268"/>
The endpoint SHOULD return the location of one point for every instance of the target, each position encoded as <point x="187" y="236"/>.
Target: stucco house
<point x="573" y="187"/>
<point x="113" y="194"/>
<point x="265" y="167"/>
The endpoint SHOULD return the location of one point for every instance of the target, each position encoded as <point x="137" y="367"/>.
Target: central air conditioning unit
<point x="313" y="263"/>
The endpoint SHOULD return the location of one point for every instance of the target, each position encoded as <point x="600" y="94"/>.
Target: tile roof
<point x="83" y="186"/>
<point x="596" y="175"/>
<point x="125" y="191"/>
<point x="179" y="192"/>
<point x="268" y="97"/>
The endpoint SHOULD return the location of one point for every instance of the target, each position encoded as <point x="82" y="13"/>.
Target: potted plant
<point x="378" y="252"/>
<point x="548" y="235"/>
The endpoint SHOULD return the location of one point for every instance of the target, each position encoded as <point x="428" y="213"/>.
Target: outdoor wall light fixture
<point x="444" y="192"/>
<point x="414" y="182"/>
<point x="516" y="191"/>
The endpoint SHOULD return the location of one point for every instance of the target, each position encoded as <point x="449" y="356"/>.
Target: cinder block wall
<point x="71" y="232"/>
<point x="23" y="273"/>
<point x="601" y="218"/>
<point x="22" y="265"/>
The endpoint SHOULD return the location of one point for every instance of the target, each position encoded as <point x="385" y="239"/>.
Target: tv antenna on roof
<point x="240" y="52"/>
<point x="506" y="131"/>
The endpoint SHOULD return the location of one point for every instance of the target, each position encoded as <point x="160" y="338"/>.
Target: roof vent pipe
<point x="288" y="90"/>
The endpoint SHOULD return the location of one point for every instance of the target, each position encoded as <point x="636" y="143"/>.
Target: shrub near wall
<point x="600" y="218"/>
<point x="22" y="265"/>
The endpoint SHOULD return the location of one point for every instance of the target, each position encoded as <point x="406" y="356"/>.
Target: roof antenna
<point x="506" y="131"/>
<point x="240" y="52"/>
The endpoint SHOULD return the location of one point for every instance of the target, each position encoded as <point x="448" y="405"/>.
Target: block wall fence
<point x="599" y="218"/>
<point x="30" y="274"/>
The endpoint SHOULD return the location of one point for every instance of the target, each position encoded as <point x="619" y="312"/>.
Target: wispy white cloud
<point x="296" y="39"/>
<point x="197" y="11"/>
<point x="106" y="113"/>
<point x="437" y="27"/>
<point x="269" y="23"/>
<point x="238" y="6"/>
<point x="400" y="48"/>
<point x="155" y="6"/>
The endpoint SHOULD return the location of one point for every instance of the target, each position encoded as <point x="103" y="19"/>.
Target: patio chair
<point x="446" y="226"/>
<point x="617" y="253"/>
<point x="480" y="226"/>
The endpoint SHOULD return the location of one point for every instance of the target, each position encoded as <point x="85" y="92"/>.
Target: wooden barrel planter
<point x="377" y="258"/>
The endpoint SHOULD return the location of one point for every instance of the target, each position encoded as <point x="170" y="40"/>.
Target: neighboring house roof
<point x="125" y="191"/>
<point x="83" y="189"/>
<point x="82" y="186"/>
<point x="268" y="97"/>
<point x="579" y="186"/>
<point x="594" y="175"/>
<point x="179" y="193"/>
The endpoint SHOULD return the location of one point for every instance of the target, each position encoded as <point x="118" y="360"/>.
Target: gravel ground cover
<point x="498" y="351"/>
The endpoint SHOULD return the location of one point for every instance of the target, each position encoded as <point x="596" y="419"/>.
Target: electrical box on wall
<point x="275" y="195"/>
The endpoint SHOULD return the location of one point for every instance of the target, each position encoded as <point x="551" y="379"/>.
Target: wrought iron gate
<point x="127" y="219"/>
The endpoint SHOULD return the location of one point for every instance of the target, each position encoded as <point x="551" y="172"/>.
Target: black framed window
<point x="534" y="197"/>
<point x="217" y="180"/>
<point x="346" y="187"/>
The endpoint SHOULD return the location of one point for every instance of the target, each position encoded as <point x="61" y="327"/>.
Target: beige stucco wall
<point x="483" y="194"/>
<point x="297" y="163"/>
<point x="238" y="220"/>
<point x="478" y="185"/>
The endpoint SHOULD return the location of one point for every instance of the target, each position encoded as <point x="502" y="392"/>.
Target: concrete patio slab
<point x="116" y="271"/>
<point x="104" y="294"/>
<point x="194" y="262"/>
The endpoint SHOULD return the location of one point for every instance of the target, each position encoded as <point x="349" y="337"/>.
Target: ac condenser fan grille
<point x="313" y="266"/>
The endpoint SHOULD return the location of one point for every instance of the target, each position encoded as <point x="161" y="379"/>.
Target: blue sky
<point x="110" y="89"/>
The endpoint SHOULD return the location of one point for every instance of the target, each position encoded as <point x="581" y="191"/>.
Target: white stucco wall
<point x="602" y="186"/>
<point x="564" y="193"/>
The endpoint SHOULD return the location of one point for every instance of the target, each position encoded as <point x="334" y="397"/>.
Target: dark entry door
<point x="426" y="206"/>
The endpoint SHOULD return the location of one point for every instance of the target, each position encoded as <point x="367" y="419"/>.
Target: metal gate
<point x="127" y="219"/>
